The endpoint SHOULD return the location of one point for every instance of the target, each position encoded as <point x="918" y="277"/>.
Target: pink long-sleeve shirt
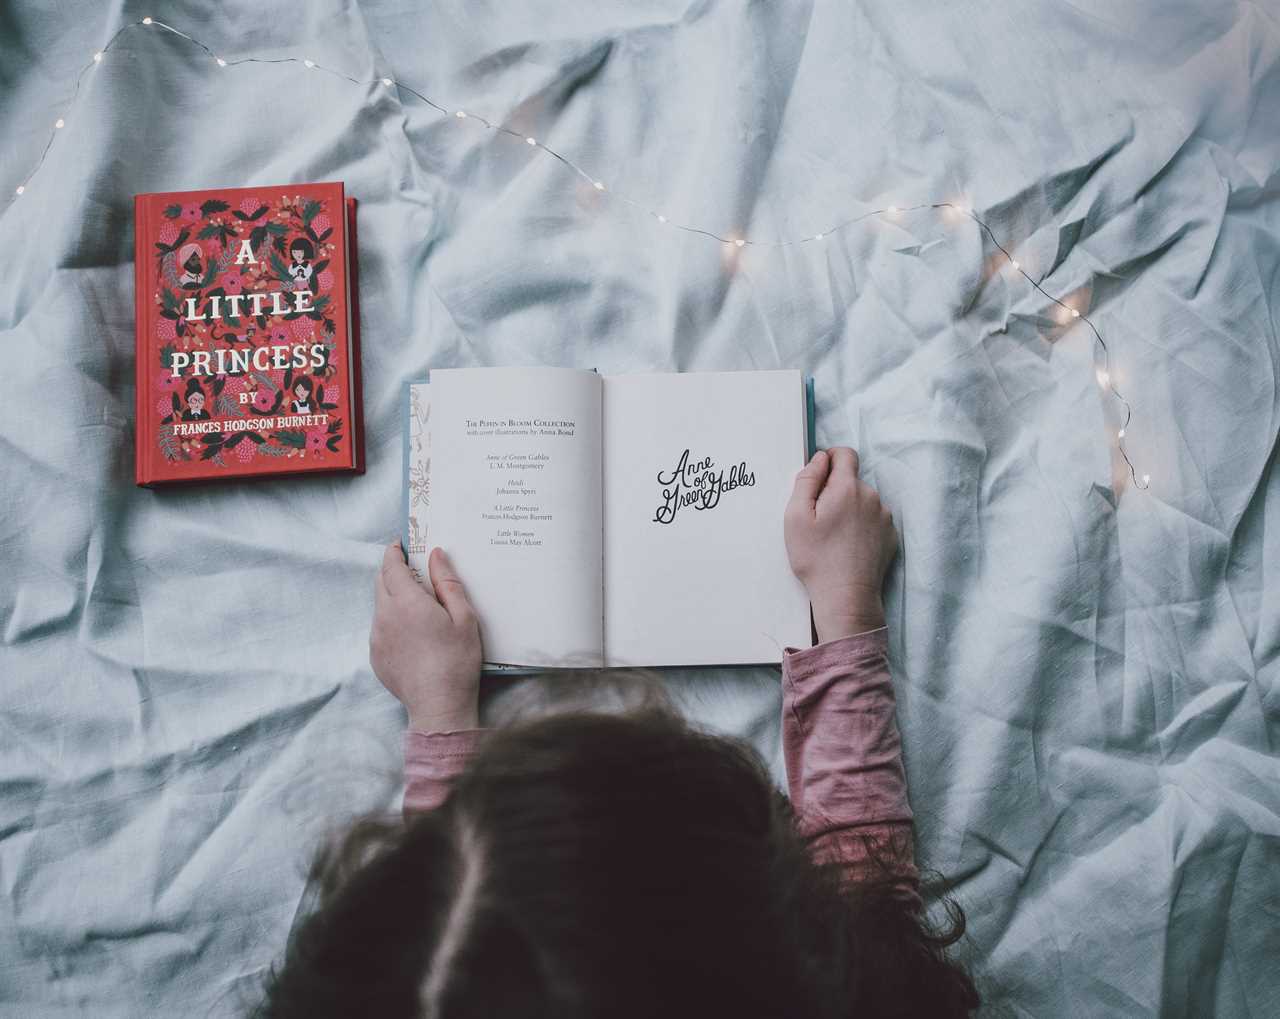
<point x="841" y="747"/>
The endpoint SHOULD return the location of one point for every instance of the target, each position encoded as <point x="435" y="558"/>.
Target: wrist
<point x="445" y="716"/>
<point x="436" y="722"/>
<point x="834" y="624"/>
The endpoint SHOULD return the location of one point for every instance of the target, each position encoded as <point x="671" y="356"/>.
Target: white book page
<point x="515" y="481"/>
<point x="697" y="470"/>
<point x="417" y="480"/>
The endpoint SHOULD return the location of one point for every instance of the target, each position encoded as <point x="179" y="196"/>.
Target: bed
<point x="1087" y="664"/>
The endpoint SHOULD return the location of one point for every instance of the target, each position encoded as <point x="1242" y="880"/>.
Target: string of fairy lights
<point x="1064" y="312"/>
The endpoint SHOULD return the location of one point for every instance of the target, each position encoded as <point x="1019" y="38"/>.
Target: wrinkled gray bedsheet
<point x="1087" y="673"/>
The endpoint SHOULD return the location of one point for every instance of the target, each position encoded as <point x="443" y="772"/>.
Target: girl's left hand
<point x="425" y="648"/>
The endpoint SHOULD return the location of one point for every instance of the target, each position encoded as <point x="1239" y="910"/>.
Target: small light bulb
<point x="661" y="218"/>
<point x="1075" y="313"/>
<point x="1120" y="434"/>
<point x="963" y="209"/>
<point x="387" y="82"/>
<point x="21" y="188"/>
<point x="146" y="21"/>
<point x="817" y="237"/>
<point x="599" y="185"/>
<point x="221" y="62"/>
<point x="461" y="114"/>
<point x="1146" y="479"/>
<point x="892" y="210"/>
<point x="97" y="58"/>
<point x="531" y="141"/>
<point x="739" y="242"/>
<point x="1015" y="264"/>
<point x="59" y="123"/>
<point x="309" y="63"/>
<point x="1104" y="377"/>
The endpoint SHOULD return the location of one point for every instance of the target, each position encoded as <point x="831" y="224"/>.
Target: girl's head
<point x="597" y="865"/>
<point x="303" y="388"/>
<point x="301" y="250"/>
<point x="195" y="396"/>
<point x="189" y="257"/>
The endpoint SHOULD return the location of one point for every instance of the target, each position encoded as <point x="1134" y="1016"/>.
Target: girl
<point x="595" y="865"/>
<point x="303" y="391"/>
<point x="192" y="268"/>
<point x="300" y="270"/>
<point x="195" y="402"/>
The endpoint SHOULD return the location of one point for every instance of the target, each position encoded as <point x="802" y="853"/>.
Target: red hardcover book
<point x="247" y="333"/>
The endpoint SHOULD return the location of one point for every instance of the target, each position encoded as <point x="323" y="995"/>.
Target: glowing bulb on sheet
<point x="97" y="58"/>
<point x="1014" y="264"/>
<point x="221" y="62"/>
<point x="1120" y="434"/>
<point x="1146" y="479"/>
<point x="1075" y="312"/>
<point x="739" y="242"/>
<point x="309" y="63"/>
<point x="20" y="188"/>
<point x="146" y="21"/>
<point x="892" y="210"/>
<point x="531" y="141"/>
<point x="387" y="82"/>
<point x="1104" y="378"/>
<point x="817" y="237"/>
<point x="963" y="209"/>
<point x="59" y="123"/>
<point x="661" y="218"/>
<point x="461" y="114"/>
<point x="599" y="185"/>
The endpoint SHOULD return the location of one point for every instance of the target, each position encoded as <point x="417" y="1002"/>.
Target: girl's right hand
<point x="425" y="644"/>
<point x="840" y="542"/>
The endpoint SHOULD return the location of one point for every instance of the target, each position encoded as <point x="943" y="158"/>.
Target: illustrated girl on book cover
<point x="195" y="403"/>
<point x="303" y="391"/>
<point x="301" y="252"/>
<point x="192" y="267"/>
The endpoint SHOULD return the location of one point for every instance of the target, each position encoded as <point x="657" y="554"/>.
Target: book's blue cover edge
<point x="810" y="425"/>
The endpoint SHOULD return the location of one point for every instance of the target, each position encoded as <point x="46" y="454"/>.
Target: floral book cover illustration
<point x="247" y="333"/>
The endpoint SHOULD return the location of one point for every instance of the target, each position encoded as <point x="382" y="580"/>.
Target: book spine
<point x="141" y="472"/>
<point x="354" y="383"/>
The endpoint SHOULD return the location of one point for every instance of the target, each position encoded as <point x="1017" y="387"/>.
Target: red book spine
<point x="142" y="381"/>
<point x="357" y="380"/>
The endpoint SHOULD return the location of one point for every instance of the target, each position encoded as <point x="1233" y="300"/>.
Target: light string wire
<point x="1067" y="313"/>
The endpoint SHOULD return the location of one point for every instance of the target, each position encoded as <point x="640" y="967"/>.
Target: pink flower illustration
<point x="245" y="450"/>
<point x="168" y="233"/>
<point x="302" y="328"/>
<point x="279" y="334"/>
<point x="164" y="407"/>
<point x="234" y="386"/>
<point x="190" y="212"/>
<point x="250" y="205"/>
<point x="263" y="399"/>
<point x="166" y="330"/>
<point x="320" y="224"/>
<point x="315" y="439"/>
<point x="326" y="280"/>
<point x="212" y="248"/>
<point x="232" y="283"/>
<point x="277" y="377"/>
<point x="331" y="394"/>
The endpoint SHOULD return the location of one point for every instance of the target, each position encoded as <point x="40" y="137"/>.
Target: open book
<point x="625" y="520"/>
